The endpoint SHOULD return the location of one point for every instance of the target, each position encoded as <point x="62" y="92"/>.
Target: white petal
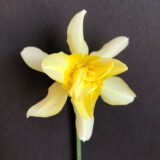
<point x="33" y="57"/>
<point x="113" y="47"/>
<point x="115" y="91"/>
<point x="84" y="127"/>
<point x="52" y="104"/>
<point x="75" y="38"/>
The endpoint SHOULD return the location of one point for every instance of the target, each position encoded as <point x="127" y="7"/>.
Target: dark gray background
<point x="120" y="133"/>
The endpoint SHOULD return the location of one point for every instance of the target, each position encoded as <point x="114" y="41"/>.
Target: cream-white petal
<point x="33" y="57"/>
<point x="52" y="104"/>
<point x="84" y="127"/>
<point x="113" y="47"/>
<point x="115" y="91"/>
<point x="75" y="37"/>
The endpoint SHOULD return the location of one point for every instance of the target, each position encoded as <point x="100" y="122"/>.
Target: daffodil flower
<point x="81" y="76"/>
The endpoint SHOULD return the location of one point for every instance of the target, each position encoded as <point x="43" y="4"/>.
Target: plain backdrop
<point x="121" y="132"/>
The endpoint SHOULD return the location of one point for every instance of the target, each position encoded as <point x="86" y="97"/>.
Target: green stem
<point x="79" y="152"/>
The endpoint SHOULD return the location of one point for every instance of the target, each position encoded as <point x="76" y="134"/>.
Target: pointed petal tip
<point x="84" y="11"/>
<point x="134" y="95"/>
<point x="23" y="52"/>
<point x="131" y="101"/>
<point x="85" y="139"/>
<point x="33" y="57"/>
<point x="125" y="39"/>
<point x="28" y="114"/>
<point x="126" y="67"/>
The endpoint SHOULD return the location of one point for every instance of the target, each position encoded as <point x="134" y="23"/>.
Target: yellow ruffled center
<point x="85" y="74"/>
<point x="82" y="76"/>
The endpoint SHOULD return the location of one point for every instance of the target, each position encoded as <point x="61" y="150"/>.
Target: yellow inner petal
<point x="55" y="65"/>
<point x="85" y="106"/>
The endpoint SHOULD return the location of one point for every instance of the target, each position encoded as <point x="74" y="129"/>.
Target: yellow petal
<point x="55" y="66"/>
<point x="77" y="84"/>
<point x="33" y="57"/>
<point x="116" y="92"/>
<point x="84" y="127"/>
<point x="52" y="104"/>
<point x="113" y="47"/>
<point x="80" y="87"/>
<point x="107" y="67"/>
<point x="85" y="107"/>
<point x="75" y="37"/>
<point x="118" y="67"/>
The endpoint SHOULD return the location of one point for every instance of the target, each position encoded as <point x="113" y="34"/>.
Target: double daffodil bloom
<point x="80" y="76"/>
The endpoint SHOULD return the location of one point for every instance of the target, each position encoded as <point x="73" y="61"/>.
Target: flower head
<point x="81" y="76"/>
